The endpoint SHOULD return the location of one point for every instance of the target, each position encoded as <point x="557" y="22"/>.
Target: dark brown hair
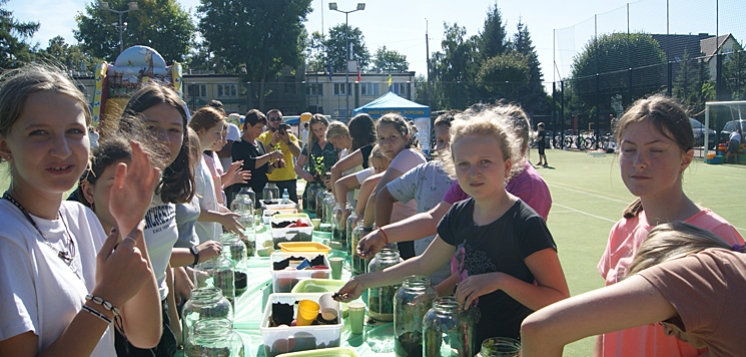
<point x="253" y="117"/>
<point x="362" y="131"/>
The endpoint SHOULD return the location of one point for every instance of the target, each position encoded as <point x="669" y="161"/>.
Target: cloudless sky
<point x="400" y="24"/>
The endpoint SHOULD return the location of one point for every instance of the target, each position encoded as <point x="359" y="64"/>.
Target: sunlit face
<point x="390" y="140"/>
<point x="341" y="142"/>
<point x="223" y="139"/>
<point x="319" y="129"/>
<point x="256" y="129"/>
<point x="208" y="138"/>
<point x="651" y="163"/>
<point x="168" y="126"/>
<point x="480" y="168"/>
<point x="274" y="120"/>
<point x="48" y="145"/>
<point x="442" y="138"/>
<point x="379" y="165"/>
<point x="98" y="194"/>
<point x="673" y="330"/>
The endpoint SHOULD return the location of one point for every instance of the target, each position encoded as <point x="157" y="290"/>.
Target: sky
<point x="401" y="24"/>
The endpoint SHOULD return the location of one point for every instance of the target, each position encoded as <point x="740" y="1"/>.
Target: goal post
<point x="737" y="112"/>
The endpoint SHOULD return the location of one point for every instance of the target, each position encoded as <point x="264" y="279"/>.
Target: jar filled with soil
<point x="358" y="263"/>
<point x="339" y="237"/>
<point x="349" y="227"/>
<point x="214" y="338"/>
<point x="216" y="273"/>
<point x="447" y="331"/>
<point x="381" y="299"/>
<point x="412" y="301"/>
<point x="320" y="196"/>
<point x="205" y="303"/>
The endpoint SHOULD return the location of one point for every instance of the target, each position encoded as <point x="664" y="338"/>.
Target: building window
<point x="339" y="88"/>
<point x="229" y="90"/>
<point x="401" y="89"/>
<point x="370" y="89"/>
<point x="198" y="90"/>
<point x="315" y="89"/>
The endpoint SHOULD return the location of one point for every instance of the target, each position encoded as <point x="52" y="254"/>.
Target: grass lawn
<point x="589" y="197"/>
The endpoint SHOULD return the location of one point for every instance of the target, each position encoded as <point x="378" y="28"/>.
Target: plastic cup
<point x="316" y="223"/>
<point x="328" y="307"/>
<point x="356" y="311"/>
<point x="308" y="311"/>
<point x="336" y="265"/>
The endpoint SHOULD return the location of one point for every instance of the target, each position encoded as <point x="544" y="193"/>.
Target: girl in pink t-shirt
<point x="656" y="141"/>
<point x="399" y="144"/>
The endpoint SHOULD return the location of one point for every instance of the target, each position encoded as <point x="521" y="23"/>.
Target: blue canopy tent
<point x="392" y="103"/>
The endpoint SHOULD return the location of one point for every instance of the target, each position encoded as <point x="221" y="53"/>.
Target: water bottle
<point x="285" y="196"/>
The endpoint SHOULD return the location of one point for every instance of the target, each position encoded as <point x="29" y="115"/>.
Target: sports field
<point x="589" y="197"/>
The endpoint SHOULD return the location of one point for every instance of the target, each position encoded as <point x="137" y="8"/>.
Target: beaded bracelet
<point x="93" y="312"/>
<point x="107" y="305"/>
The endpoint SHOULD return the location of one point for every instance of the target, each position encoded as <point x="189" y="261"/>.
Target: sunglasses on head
<point x="275" y="119"/>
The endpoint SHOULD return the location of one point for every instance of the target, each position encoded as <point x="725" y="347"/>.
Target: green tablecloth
<point x="377" y="340"/>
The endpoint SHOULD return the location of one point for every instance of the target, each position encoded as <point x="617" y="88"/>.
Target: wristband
<point x="195" y="252"/>
<point x="97" y="314"/>
<point x="107" y="305"/>
<point x="384" y="235"/>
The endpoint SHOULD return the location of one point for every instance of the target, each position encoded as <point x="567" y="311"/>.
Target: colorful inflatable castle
<point x="136" y="67"/>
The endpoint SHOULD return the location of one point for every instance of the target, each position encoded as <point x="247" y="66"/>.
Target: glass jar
<point x="235" y="251"/>
<point x="338" y="230"/>
<point x="243" y="204"/>
<point x="411" y="303"/>
<point x="500" y="347"/>
<point x="447" y="331"/>
<point x="349" y="227"/>
<point x="320" y="195"/>
<point x="326" y="219"/>
<point x="309" y="201"/>
<point x="216" y="273"/>
<point x="271" y="193"/>
<point x="358" y="263"/>
<point x="204" y="303"/>
<point x="381" y="299"/>
<point x="214" y="337"/>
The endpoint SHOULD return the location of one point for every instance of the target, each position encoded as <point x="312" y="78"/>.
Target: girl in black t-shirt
<point x="510" y="264"/>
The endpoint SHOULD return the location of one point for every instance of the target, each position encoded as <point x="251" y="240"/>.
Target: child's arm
<point x="344" y="164"/>
<point x="629" y="303"/>
<point x="343" y="185"/>
<point x="366" y="190"/>
<point x="547" y="271"/>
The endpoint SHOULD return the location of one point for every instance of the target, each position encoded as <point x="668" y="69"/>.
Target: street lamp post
<point x="360" y="7"/>
<point x="132" y="6"/>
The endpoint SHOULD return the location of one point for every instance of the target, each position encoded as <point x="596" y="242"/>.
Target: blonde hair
<point x="671" y="241"/>
<point x="336" y="130"/>
<point x="486" y="123"/>
<point x="377" y="153"/>
<point x="18" y="84"/>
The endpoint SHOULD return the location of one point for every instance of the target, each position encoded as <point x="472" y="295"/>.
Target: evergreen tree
<point x="493" y="38"/>
<point x="532" y="96"/>
<point x="734" y="72"/>
<point x="14" y="51"/>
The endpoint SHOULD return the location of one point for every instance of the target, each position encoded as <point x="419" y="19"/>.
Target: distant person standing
<point x="278" y="137"/>
<point x="734" y="144"/>
<point x="541" y="136"/>
<point x="304" y="133"/>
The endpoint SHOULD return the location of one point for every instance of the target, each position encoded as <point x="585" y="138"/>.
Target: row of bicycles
<point x="583" y="141"/>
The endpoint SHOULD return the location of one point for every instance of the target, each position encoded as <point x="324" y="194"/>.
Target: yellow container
<point x="312" y="247"/>
<point x="308" y="311"/>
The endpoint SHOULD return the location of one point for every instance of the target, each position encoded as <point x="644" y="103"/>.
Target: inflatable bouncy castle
<point x="137" y="66"/>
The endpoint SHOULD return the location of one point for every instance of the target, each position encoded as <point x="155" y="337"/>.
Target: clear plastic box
<point x="284" y="339"/>
<point x="294" y="234"/>
<point x="273" y="210"/>
<point x="283" y="281"/>
<point x="327" y="352"/>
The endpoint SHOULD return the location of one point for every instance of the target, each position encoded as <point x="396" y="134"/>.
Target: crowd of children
<point x="104" y="278"/>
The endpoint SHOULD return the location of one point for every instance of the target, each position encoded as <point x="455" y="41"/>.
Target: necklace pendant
<point x="65" y="257"/>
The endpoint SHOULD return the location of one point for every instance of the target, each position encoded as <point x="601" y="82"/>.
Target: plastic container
<point x="311" y="247"/>
<point x="294" y="234"/>
<point x="318" y="286"/>
<point x="327" y="352"/>
<point x="273" y="210"/>
<point x="283" y="281"/>
<point x="284" y="339"/>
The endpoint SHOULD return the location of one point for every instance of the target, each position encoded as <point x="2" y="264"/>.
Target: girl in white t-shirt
<point x="400" y="145"/>
<point x="61" y="277"/>
<point x="208" y="124"/>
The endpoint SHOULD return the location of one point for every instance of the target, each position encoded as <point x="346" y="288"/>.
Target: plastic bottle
<point x="285" y="196"/>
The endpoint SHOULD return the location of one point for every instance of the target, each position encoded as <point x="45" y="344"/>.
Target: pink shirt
<point x="528" y="186"/>
<point x="624" y="240"/>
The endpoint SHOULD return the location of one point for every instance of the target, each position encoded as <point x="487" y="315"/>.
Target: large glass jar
<point x="326" y="219"/>
<point x="309" y="200"/>
<point x="235" y="251"/>
<point x="204" y="303"/>
<point x="216" y="273"/>
<point x="500" y="347"/>
<point x="243" y="204"/>
<point x="447" y="331"/>
<point x="381" y="299"/>
<point x="350" y="226"/>
<point x="412" y="301"/>
<point x="339" y="237"/>
<point x="271" y="193"/>
<point x="214" y="338"/>
<point x="320" y="195"/>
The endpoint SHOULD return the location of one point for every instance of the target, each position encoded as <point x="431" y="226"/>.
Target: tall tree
<point x="455" y="68"/>
<point x="532" y="96"/>
<point x="14" y="51"/>
<point x="335" y="47"/>
<point x="493" y="40"/>
<point x="68" y="55"/>
<point x="734" y="72"/>
<point x="503" y="75"/>
<point x="685" y="87"/>
<point x="386" y="60"/>
<point x="315" y="53"/>
<point x="161" y="24"/>
<point x="262" y="35"/>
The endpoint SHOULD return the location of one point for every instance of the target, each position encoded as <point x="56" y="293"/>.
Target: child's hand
<point x="112" y="260"/>
<point x="208" y="250"/>
<point x="134" y="184"/>
<point x="350" y="291"/>
<point x="371" y="244"/>
<point x="475" y="286"/>
<point x="230" y="222"/>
